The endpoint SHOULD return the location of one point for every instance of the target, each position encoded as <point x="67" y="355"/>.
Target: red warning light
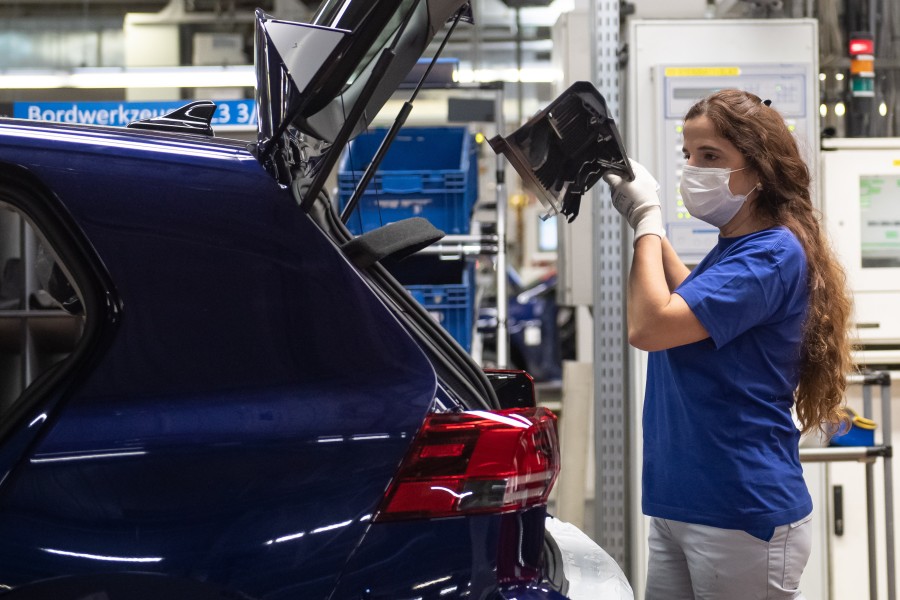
<point x="862" y="46"/>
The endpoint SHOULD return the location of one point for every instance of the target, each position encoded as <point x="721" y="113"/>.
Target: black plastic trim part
<point x="514" y="387"/>
<point x="394" y="241"/>
<point x="882" y="378"/>
<point x="195" y="117"/>
<point x="563" y="150"/>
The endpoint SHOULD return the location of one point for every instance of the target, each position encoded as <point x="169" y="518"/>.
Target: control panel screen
<point x="879" y="207"/>
<point x="680" y="86"/>
<point x="548" y="232"/>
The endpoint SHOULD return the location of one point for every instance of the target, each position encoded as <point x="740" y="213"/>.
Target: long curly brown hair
<point x="762" y="136"/>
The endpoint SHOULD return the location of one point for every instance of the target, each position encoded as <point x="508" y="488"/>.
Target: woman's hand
<point x="638" y="201"/>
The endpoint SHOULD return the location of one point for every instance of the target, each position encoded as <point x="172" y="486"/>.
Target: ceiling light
<point x="135" y="77"/>
<point x="528" y="75"/>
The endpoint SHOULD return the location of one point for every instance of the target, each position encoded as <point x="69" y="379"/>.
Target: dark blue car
<point x="210" y="389"/>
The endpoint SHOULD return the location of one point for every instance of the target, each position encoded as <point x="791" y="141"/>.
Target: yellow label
<point x="897" y="162"/>
<point x="703" y="71"/>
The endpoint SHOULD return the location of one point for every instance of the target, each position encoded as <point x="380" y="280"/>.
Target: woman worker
<point x="759" y="327"/>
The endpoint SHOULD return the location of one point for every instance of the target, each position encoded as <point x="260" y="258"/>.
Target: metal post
<point x="870" y="503"/>
<point x="520" y="93"/>
<point x="888" y="488"/>
<point x="613" y="513"/>
<point x="502" y="300"/>
<point x="870" y="530"/>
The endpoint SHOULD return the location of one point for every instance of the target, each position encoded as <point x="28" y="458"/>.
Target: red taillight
<point x="475" y="462"/>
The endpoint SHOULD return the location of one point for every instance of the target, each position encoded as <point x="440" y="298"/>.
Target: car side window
<point x="41" y="311"/>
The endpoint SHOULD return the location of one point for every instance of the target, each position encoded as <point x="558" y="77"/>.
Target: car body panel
<point x="590" y="572"/>
<point x="187" y="408"/>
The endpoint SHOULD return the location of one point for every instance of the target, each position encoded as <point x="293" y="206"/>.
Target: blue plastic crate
<point x="859" y="431"/>
<point x="451" y="305"/>
<point x="429" y="172"/>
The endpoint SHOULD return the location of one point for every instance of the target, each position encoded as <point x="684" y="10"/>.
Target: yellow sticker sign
<point x="703" y="71"/>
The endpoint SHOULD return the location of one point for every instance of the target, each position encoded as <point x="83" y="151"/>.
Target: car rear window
<point x="41" y="311"/>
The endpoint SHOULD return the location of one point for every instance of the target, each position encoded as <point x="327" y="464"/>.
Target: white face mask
<point x="706" y="194"/>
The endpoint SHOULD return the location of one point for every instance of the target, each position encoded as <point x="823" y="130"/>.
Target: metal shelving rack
<point x="869" y="455"/>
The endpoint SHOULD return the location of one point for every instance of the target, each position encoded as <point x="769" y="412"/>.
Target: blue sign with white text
<point x="119" y="114"/>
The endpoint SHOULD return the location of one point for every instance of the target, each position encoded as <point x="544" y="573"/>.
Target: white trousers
<point x="697" y="562"/>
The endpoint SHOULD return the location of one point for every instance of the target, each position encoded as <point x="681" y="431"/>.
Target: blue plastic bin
<point x="859" y="432"/>
<point x="429" y="172"/>
<point x="451" y="305"/>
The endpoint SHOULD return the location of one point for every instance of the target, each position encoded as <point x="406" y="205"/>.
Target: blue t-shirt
<point x="720" y="444"/>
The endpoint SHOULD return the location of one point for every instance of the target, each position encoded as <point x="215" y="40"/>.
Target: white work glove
<point x="638" y="201"/>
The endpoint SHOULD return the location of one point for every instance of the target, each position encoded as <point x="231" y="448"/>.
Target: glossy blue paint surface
<point x="243" y="424"/>
<point x="529" y="592"/>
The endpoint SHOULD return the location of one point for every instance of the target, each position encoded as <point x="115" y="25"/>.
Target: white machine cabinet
<point x="672" y="64"/>
<point x="678" y="87"/>
<point x="861" y="202"/>
<point x="860" y="191"/>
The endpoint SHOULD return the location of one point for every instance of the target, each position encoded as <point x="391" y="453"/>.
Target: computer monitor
<point x="540" y="237"/>
<point x="879" y="219"/>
